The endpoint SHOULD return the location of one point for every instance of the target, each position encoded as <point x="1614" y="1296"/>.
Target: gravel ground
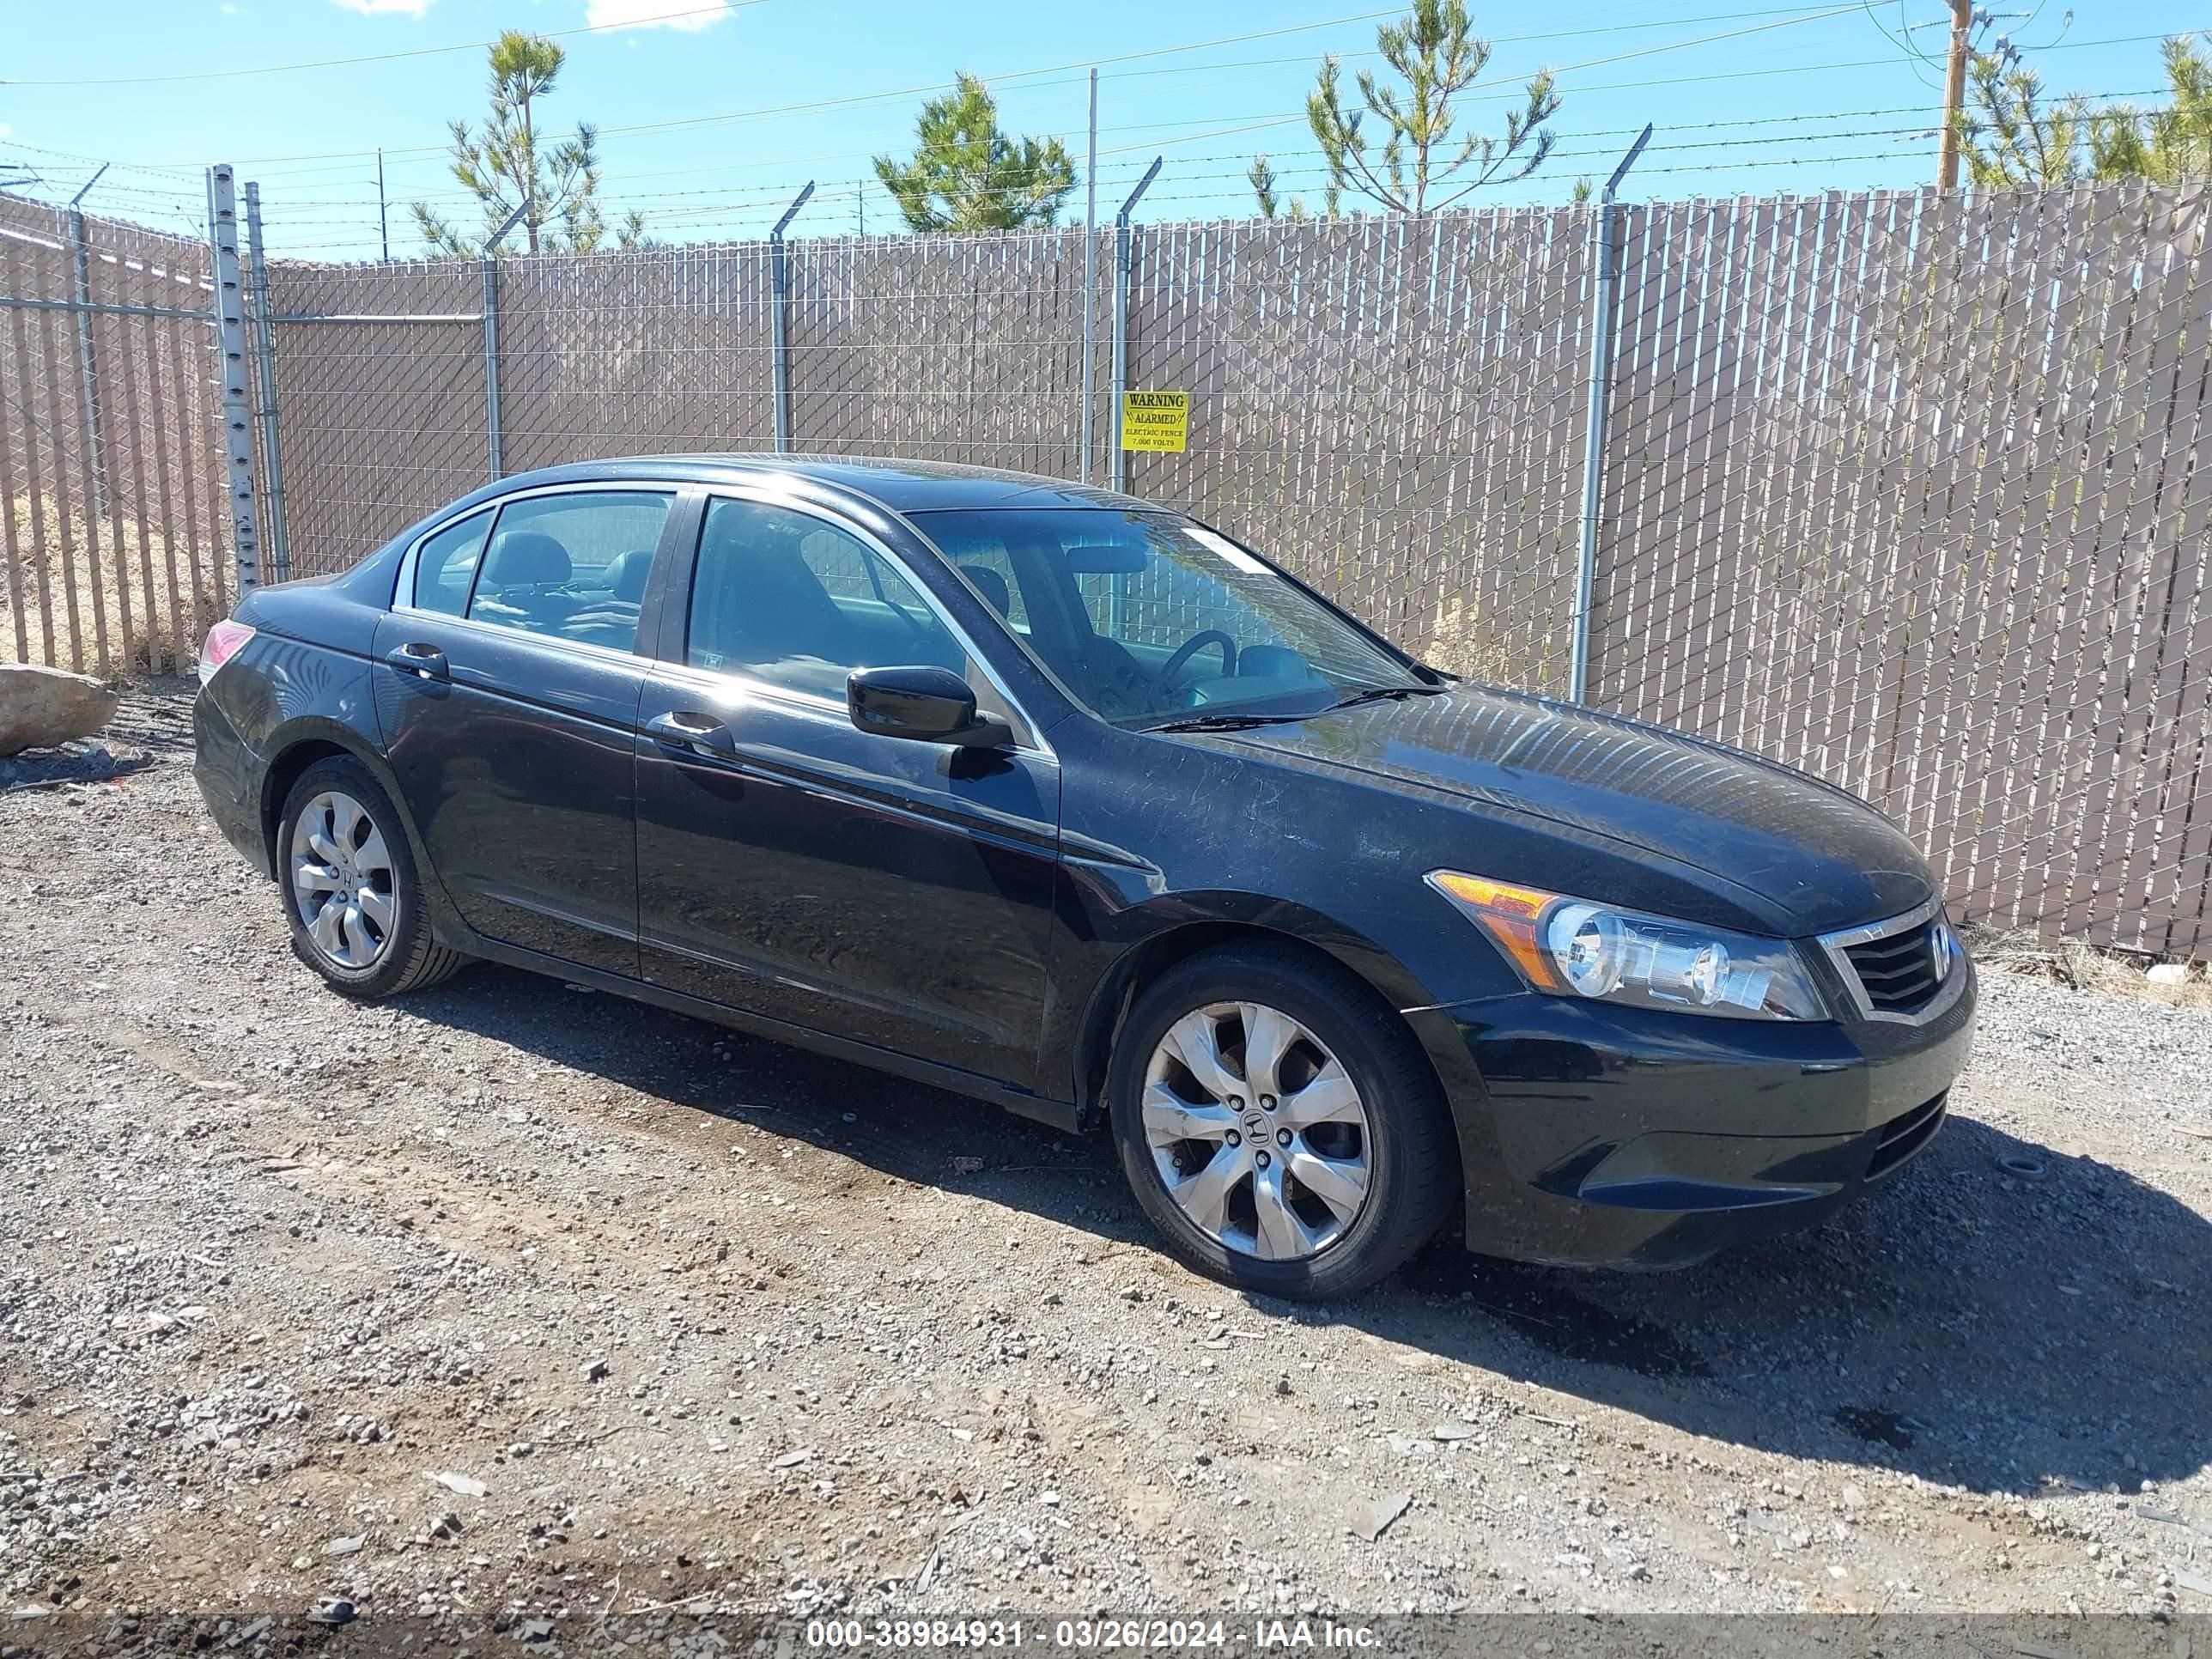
<point x="510" y="1302"/>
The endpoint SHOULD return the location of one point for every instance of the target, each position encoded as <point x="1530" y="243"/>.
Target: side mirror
<point x="933" y="704"/>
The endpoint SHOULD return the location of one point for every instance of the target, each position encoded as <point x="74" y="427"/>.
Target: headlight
<point x="1573" y="947"/>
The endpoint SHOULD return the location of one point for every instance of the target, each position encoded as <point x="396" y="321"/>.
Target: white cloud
<point x="691" y="14"/>
<point x="5" y="129"/>
<point x="372" y="8"/>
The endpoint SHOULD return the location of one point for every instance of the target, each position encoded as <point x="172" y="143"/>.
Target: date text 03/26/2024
<point x="1087" y="1633"/>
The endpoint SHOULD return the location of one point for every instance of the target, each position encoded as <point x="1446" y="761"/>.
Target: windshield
<point x="1153" y="620"/>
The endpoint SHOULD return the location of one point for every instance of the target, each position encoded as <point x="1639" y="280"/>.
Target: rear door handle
<point x="682" y="729"/>
<point x="423" y="661"/>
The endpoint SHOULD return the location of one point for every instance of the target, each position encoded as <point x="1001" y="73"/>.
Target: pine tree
<point x="503" y="166"/>
<point x="966" y="173"/>
<point x="1417" y="167"/>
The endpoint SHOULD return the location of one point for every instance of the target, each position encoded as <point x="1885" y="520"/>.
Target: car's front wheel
<point x="1279" y="1125"/>
<point x="351" y="888"/>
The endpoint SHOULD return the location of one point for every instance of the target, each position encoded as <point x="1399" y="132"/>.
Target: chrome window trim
<point x="1954" y="980"/>
<point x="405" y="584"/>
<point x="1029" y="739"/>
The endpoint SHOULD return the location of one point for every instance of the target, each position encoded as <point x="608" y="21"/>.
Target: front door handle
<point x="682" y="729"/>
<point x="423" y="661"/>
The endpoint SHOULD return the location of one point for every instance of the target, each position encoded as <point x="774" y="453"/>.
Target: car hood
<point x="1821" y="857"/>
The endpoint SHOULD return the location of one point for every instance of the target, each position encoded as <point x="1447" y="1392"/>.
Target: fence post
<point x="230" y="358"/>
<point x="488" y="274"/>
<point x="1124" y="261"/>
<point x="264" y="360"/>
<point x="1603" y="255"/>
<point x="86" y="367"/>
<point x="780" y="324"/>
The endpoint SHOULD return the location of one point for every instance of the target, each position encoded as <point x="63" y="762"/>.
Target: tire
<point x="384" y="948"/>
<point x="1306" y="1241"/>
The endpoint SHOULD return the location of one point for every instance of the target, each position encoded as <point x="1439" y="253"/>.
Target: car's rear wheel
<point x="1278" y="1124"/>
<point x="350" y="888"/>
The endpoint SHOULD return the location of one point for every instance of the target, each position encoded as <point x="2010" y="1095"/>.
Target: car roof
<point x="902" y="486"/>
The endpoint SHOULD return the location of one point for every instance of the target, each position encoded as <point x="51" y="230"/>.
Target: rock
<point x="42" y="706"/>
<point x="594" y="1369"/>
<point x="520" y="1449"/>
<point x="2168" y="973"/>
<point x="344" y="1545"/>
<point x="334" y="1612"/>
<point x="467" y="1485"/>
<point x="1371" y="1518"/>
<point x="1853" y="1497"/>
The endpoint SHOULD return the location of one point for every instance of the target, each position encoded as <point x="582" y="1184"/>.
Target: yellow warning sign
<point x="1156" y="421"/>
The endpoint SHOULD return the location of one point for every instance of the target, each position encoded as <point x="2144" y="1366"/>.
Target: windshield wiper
<point x="1377" y="693"/>
<point x="1228" y="722"/>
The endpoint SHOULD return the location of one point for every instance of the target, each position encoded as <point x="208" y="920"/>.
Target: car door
<point x="889" y="890"/>
<point x="508" y="697"/>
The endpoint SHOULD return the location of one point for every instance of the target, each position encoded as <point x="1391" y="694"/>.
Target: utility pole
<point x="1954" y="92"/>
<point x="383" y="226"/>
<point x="1090" y="287"/>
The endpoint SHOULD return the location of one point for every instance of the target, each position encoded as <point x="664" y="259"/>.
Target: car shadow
<point x="1999" y="1316"/>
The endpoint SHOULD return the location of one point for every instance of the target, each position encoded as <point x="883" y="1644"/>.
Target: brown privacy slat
<point x="1841" y="450"/>
<point x="102" y="562"/>
<point x="1892" y="345"/>
<point x="1968" y="599"/>
<point x="59" y="429"/>
<point x="2158" y="628"/>
<point x="2014" y="745"/>
<point x="29" y="428"/>
<point x="114" y="403"/>
<point x="2095" y="363"/>
<point x="137" y="399"/>
<point x="191" y="432"/>
<point x="1628" y="551"/>
<point x="2123" y="563"/>
<point x="155" y="332"/>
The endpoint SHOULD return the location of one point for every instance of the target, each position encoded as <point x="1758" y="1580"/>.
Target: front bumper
<point x="1593" y="1135"/>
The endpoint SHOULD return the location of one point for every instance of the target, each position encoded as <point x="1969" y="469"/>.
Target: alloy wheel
<point x="1257" y="1131"/>
<point x="342" y="880"/>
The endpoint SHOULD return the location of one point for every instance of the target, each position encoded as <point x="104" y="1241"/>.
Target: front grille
<point x="1901" y="1137"/>
<point x="1897" y="972"/>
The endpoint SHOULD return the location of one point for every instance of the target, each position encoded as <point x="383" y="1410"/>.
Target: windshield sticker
<point x="1226" y="549"/>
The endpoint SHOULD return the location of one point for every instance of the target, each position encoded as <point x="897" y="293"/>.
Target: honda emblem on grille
<point x="1938" y="949"/>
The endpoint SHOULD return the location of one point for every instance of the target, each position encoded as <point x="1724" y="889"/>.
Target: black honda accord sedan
<point x="1070" y="802"/>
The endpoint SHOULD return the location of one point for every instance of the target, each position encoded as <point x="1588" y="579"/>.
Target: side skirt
<point x="1059" y="1114"/>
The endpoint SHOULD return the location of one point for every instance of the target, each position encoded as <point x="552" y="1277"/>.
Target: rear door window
<point x="573" y="566"/>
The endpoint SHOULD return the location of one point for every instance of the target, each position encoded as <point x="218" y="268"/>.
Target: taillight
<point x="223" y="641"/>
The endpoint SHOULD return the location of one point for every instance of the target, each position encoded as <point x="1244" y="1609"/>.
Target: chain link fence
<point x="113" y="522"/>
<point x="1905" y="488"/>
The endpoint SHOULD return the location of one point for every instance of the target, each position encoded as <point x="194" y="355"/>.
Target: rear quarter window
<point x="446" y="565"/>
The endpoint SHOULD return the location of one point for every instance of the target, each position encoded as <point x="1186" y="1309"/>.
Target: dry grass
<point x="155" y="628"/>
<point x="2083" y="967"/>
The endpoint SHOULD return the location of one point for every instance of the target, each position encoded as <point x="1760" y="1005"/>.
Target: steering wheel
<point x="1196" y="643"/>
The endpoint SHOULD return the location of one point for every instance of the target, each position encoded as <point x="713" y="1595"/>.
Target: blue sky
<point x="713" y="112"/>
